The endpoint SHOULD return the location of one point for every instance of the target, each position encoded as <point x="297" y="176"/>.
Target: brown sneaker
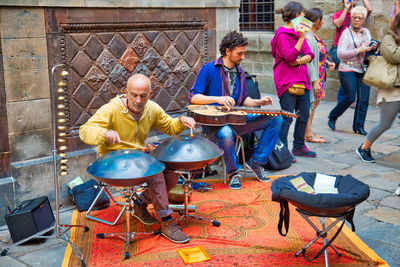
<point x="141" y="213"/>
<point x="171" y="230"/>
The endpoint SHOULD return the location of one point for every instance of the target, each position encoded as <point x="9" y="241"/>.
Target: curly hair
<point x="231" y="40"/>
<point x="290" y="10"/>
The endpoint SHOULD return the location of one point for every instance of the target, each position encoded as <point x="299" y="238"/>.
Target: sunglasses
<point x="357" y="18"/>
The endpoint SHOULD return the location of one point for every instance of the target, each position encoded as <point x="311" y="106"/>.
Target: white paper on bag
<point x="325" y="184"/>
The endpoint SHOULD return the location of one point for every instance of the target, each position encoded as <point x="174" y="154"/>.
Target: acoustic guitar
<point x="218" y="115"/>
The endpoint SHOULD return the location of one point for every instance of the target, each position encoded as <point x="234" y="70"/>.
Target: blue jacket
<point x="213" y="80"/>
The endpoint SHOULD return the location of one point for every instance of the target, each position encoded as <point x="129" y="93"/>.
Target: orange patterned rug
<point x="248" y="236"/>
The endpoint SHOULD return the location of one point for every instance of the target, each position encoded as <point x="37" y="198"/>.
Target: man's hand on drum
<point x="264" y="101"/>
<point x="112" y="137"/>
<point x="227" y="101"/>
<point x="188" y="122"/>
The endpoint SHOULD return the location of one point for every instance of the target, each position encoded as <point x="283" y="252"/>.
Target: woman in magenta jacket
<point x="292" y="53"/>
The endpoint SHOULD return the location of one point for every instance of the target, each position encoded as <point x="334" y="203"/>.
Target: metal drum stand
<point x="129" y="169"/>
<point x="109" y="194"/>
<point x="187" y="186"/>
<point x="128" y="235"/>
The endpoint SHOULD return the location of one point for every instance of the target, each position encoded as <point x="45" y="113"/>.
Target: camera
<point x="373" y="42"/>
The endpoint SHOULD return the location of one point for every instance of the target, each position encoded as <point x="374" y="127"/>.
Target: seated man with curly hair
<point x="223" y="82"/>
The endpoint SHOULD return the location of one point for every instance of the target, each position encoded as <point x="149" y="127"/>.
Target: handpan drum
<point x="125" y="167"/>
<point x="187" y="153"/>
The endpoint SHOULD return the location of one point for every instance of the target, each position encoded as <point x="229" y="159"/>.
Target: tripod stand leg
<point x="37" y="235"/>
<point x="186" y="187"/>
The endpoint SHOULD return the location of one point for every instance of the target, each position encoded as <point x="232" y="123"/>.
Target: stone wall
<point x="26" y="169"/>
<point x="259" y="60"/>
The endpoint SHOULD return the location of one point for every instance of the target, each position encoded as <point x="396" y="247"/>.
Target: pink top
<point x="345" y="24"/>
<point x="284" y="51"/>
<point x="350" y="60"/>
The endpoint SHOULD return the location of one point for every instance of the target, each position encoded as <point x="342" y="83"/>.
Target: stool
<point x="322" y="233"/>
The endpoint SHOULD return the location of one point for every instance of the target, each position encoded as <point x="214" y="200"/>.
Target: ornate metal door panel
<point x="102" y="56"/>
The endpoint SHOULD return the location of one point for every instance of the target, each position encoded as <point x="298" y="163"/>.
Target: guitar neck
<point x="270" y="112"/>
<point x="259" y="110"/>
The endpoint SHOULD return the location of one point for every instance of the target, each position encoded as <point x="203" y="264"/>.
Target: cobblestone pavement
<point x="377" y="219"/>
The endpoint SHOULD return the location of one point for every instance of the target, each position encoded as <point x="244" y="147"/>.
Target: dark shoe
<point x="304" y="152"/>
<point x="234" y="182"/>
<point x="365" y="155"/>
<point x="140" y="212"/>
<point x="360" y="131"/>
<point x="258" y="170"/>
<point x="294" y="160"/>
<point x="331" y="124"/>
<point x="171" y="230"/>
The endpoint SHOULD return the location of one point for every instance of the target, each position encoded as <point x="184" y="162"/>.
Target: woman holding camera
<point x="354" y="42"/>
<point x="388" y="98"/>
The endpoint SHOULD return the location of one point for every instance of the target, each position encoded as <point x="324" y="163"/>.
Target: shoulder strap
<point x="283" y="217"/>
<point x="349" y="218"/>
<point x="352" y="37"/>
<point x="355" y="46"/>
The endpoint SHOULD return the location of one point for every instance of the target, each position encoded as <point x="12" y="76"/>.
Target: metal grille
<point x="256" y="15"/>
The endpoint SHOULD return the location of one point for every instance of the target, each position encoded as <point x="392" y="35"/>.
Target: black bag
<point x="280" y="158"/>
<point x="334" y="57"/>
<point x="252" y="86"/>
<point x="84" y="194"/>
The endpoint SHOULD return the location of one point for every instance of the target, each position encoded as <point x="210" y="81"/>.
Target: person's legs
<point x="157" y="194"/>
<point x="288" y="103"/>
<point x="310" y="136"/>
<point x="270" y="126"/>
<point x="226" y="141"/>
<point x="346" y="94"/>
<point x="303" y="110"/>
<point x="360" y="112"/>
<point x="388" y="112"/>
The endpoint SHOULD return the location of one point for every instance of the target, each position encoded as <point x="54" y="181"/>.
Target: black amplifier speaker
<point x="29" y="218"/>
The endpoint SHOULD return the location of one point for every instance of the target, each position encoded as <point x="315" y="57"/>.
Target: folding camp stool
<point x="322" y="233"/>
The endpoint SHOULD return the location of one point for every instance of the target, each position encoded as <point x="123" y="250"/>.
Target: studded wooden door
<point x="102" y="56"/>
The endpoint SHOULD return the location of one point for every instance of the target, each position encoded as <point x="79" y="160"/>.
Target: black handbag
<point x="84" y="194"/>
<point x="280" y="158"/>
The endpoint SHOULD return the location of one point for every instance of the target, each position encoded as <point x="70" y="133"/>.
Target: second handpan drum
<point x="187" y="153"/>
<point x="125" y="167"/>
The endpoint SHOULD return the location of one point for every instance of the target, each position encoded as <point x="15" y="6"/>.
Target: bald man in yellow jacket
<point x="130" y="117"/>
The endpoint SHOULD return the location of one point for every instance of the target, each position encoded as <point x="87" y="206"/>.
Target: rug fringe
<point x="364" y="247"/>
<point x="68" y="249"/>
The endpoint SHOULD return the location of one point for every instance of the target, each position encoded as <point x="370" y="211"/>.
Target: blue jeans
<point x="270" y="126"/>
<point x="352" y="87"/>
<point x="300" y="104"/>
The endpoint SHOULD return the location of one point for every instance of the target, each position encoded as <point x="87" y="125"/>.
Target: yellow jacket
<point x="115" y="116"/>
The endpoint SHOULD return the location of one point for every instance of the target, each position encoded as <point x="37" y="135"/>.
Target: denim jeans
<point x="225" y="135"/>
<point x="300" y="104"/>
<point x="352" y="87"/>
